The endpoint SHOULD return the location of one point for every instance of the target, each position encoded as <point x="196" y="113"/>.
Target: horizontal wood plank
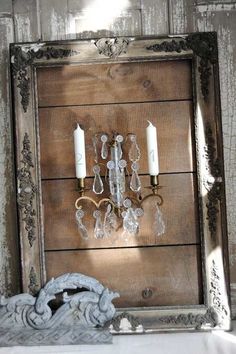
<point x="174" y="122"/>
<point x="172" y="273"/>
<point x="179" y="212"/>
<point x="114" y="83"/>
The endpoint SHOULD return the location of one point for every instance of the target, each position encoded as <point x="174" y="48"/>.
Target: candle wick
<point x="150" y="123"/>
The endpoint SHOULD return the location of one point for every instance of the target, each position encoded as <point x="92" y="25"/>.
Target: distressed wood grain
<point x="26" y="20"/>
<point x="172" y="273"/>
<point x="155" y="19"/>
<point x="174" y="121"/>
<point x="9" y="260"/>
<point x="5" y="6"/>
<point x="53" y="15"/>
<point x="181" y="16"/>
<point x="115" y="83"/>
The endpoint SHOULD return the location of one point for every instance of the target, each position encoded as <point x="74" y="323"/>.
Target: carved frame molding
<point x="201" y="49"/>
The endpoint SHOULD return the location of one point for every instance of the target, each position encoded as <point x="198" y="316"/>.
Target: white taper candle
<point x="152" y="150"/>
<point x="80" y="158"/>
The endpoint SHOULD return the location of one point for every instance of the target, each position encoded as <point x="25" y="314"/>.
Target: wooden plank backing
<point x="172" y="273"/>
<point x="114" y="83"/>
<point x="179" y="212"/>
<point x="173" y="121"/>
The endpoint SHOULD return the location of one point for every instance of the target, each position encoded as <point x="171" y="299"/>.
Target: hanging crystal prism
<point x="104" y="150"/>
<point x="98" y="230"/>
<point x="111" y="166"/>
<point x="82" y="229"/>
<point x="159" y="225"/>
<point x="134" y="151"/>
<point x="122" y="164"/>
<point x="97" y="182"/>
<point x="110" y="221"/>
<point x="95" y="140"/>
<point x="135" y="183"/>
<point x="130" y="220"/>
<point x="119" y="140"/>
<point x="115" y="176"/>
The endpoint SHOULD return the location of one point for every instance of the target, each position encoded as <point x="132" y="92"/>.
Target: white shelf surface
<point x="217" y="342"/>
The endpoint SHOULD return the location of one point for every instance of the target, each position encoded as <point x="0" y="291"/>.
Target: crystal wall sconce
<point x="125" y="205"/>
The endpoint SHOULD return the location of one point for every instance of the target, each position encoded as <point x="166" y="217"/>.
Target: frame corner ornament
<point x="203" y="45"/>
<point x="22" y="57"/>
<point x="27" y="190"/>
<point x="112" y="47"/>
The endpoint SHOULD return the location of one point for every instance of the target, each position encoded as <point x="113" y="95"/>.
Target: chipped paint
<point x="226" y="30"/>
<point x="8" y="235"/>
<point x="178" y="17"/>
<point x="24" y="30"/>
<point x="216" y="7"/>
<point x="151" y="23"/>
<point x="57" y="26"/>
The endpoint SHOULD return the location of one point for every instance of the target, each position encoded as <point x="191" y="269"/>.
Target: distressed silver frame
<point x="201" y="48"/>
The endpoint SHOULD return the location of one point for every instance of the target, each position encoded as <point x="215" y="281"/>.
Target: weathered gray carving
<point x="92" y="307"/>
<point x="112" y="47"/>
<point x="55" y="336"/>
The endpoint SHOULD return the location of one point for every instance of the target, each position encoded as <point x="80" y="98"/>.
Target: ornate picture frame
<point x="201" y="49"/>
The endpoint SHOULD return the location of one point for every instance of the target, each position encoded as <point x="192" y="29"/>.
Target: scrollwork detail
<point x="116" y="322"/>
<point x="27" y="190"/>
<point x="112" y="47"/>
<point x="209" y="318"/>
<point x="33" y="283"/>
<point x="90" y="307"/>
<point x="204" y="45"/>
<point x="21" y="60"/>
<point x="213" y="182"/>
<point x="216" y="292"/>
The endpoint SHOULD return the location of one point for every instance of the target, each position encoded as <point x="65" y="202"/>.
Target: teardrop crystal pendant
<point x="122" y="164"/>
<point x="97" y="182"/>
<point x="104" y="150"/>
<point x="82" y="229"/>
<point x="130" y="220"/>
<point x="110" y="221"/>
<point x="134" y="151"/>
<point x="135" y="183"/>
<point x="159" y="225"/>
<point x="98" y="229"/>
